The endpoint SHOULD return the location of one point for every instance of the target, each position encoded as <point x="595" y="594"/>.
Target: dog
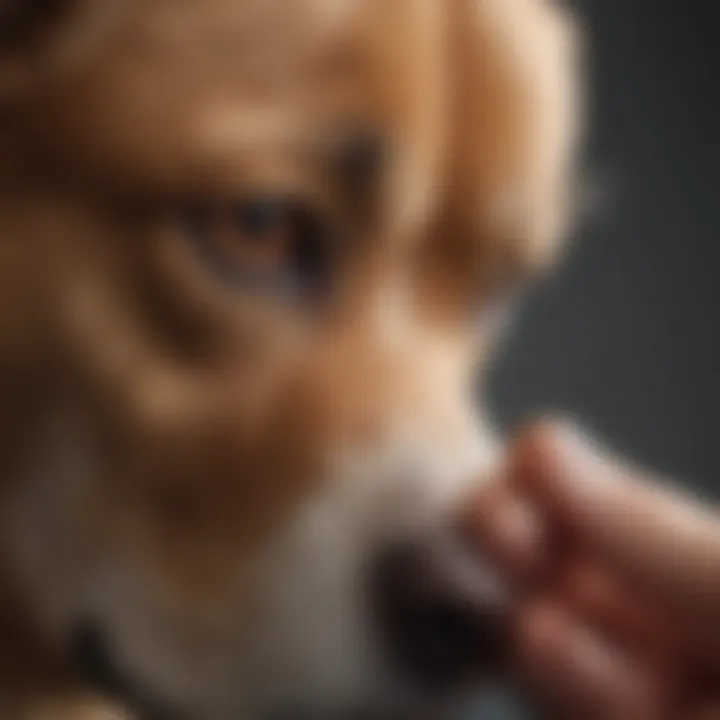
<point x="252" y="255"/>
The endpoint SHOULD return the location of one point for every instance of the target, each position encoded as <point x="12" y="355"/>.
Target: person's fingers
<point x="579" y="674"/>
<point x="507" y="527"/>
<point x="627" y="618"/>
<point x="654" y="535"/>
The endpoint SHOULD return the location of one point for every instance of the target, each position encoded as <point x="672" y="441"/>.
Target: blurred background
<point x="626" y="337"/>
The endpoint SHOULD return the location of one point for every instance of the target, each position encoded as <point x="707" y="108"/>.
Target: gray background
<point x="625" y="337"/>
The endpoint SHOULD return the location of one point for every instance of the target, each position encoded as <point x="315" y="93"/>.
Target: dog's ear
<point x="555" y="174"/>
<point x="526" y="125"/>
<point x="38" y="37"/>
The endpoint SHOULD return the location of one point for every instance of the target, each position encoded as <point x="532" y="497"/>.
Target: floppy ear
<point x="526" y="125"/>
<point x="42" y="36"/>
<point x="556" y="182"/>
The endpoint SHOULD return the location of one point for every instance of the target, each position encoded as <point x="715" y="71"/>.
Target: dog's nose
<point x="441" y="630"/>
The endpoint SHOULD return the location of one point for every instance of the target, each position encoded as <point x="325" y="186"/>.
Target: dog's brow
<point x="236" y="129"/>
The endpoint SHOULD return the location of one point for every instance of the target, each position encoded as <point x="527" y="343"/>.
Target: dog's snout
<point x="440" y="631"/>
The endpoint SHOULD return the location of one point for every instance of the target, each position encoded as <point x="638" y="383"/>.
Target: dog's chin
<point x="95" y="658"/>
<point x="395" y="701"/>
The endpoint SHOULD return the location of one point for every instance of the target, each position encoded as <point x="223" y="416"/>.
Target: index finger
<point x="654" y="535"/>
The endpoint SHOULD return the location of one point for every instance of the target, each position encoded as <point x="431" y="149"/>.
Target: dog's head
<point x="251" y="254"/>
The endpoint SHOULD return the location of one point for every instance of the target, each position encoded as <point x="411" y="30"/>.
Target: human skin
<point x="616" y="576"/>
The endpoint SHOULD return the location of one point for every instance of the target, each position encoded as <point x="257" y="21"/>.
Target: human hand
<point x="617" y="582"/>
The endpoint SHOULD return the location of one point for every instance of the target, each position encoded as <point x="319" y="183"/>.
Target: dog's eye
<point x="262" y="243"/>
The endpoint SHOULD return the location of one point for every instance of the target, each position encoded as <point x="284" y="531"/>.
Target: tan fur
<point x="203" y="417"/>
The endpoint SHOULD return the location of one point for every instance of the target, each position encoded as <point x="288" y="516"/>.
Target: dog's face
<point x="253" y="249"/>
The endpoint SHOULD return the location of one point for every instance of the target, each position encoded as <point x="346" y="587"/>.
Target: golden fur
<point x="158" y="421"/>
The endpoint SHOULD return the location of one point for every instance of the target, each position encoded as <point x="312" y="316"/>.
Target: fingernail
<point x="567" y="451"/>
<point x="576" y="443"/>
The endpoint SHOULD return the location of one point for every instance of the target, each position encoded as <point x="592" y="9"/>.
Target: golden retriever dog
<point x="251" y="258"/>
